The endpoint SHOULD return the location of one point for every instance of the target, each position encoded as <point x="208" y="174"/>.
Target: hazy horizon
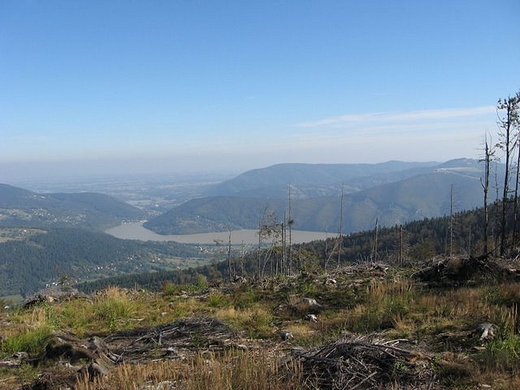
<point x="69" y="175"/>
<point x="96" y="89"/>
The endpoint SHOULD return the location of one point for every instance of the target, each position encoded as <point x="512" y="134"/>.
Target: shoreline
<point x="136" y="231"/>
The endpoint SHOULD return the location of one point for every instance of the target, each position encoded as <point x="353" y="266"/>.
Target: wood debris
<point x="96" y="355"/>
<point x="365" y="363"/>
<point x="165" y="341"/>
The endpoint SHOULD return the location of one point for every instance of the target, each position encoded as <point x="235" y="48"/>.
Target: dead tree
<point x="516" y="123"/>
<point x="376" y="237"/>
<point x="269" y="229"/>
<point x="338" y="244"/>
<point x="488" y="156"/>
<point x="289" y="224"/>
<point x="508" y="121"/>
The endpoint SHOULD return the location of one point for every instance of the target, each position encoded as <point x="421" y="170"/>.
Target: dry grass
<point x="232" y="370"/>
<point x="396" y="307"/>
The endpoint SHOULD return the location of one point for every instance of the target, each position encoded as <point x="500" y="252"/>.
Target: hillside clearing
<point x="374" y="326"/>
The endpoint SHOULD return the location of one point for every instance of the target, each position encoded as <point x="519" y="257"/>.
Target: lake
<point x="136" y="231"/>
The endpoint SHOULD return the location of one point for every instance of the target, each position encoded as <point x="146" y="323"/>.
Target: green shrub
<point x="202" y="283"/>
<point x="168" y="288"/>
<point x="114" y="312"/>
<point x="244" y="298"/>
<point x="216" y="300"/>
<point x="502" y="354"/>
<point x="259" y="323"/>
<point x="32" y="341"/>
<point x="27" y="373"/>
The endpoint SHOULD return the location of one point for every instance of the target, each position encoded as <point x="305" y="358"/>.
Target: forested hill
<point x="312" y="180"/>
<point x="20" y="207"/>
<point x="424" y="192"/>
<point x="410" y="244"/>
<point x="32" y="258"/>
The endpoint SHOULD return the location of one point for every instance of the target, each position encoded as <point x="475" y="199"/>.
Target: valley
<point x="151" y="193"/>
<point x="393" y="290"/>
<point x="165" y="223"/>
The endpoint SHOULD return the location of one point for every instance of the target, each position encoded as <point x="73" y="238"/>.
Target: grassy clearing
<point x="441" y="322"/>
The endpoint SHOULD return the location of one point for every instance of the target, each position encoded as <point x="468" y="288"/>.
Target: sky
<point x="93" y="87"/>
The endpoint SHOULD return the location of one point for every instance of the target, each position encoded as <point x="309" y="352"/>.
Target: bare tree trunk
<point x="507" y="124"/>
<point x="485" y="185"/>
<point x="229" y="257"/>
<point x="340" y="248"/>
<point x="515" y="204"/>
<point x="401" y="260"/>
<point x="290" y="222"/>
<point x="376" y="234"/>
<point x="451" y="220"/>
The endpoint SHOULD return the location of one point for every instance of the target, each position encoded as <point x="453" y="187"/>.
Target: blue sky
<point x="92" y="87"/>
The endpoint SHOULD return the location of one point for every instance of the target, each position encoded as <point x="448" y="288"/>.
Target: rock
<point x="486" y="331"/>
<point x="330" y="282"/>
<point x="286" y="335"/>
<point x="21" y="355"/>
<point x="310" y="302"/>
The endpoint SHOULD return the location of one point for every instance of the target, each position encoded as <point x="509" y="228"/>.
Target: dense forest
<point x="459" y="234"/>
<point x="57" y="255"/>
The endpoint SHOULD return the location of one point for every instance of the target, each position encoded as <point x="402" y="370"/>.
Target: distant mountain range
<point x="40" y="238"/>
<point x="388" y="193"/>
<point x="314" y="180"/>
<point x="20" y="207"/>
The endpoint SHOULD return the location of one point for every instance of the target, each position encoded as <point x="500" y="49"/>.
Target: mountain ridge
<point x="421" y="191"/>
<point x="272" y="181"/>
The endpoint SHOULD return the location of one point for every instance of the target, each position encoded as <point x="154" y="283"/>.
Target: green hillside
<point x="19" y="207"/>
<point x="214" y="214"/>
<point x="412" y="242"/>
<point x="30" y="259"/>
<point x="454" y="185"/>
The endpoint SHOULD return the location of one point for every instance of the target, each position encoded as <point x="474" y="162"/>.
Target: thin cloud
<point x="386" y="117"/>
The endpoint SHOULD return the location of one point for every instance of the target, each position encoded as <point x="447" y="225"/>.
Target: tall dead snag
<point x="488" y="155"/>
<point x="451" y="222"/>
<point x="400" y="258"/>
<point x="338" y="244"/>
<point x="230" y="270"/>
<point x="269" y="230"/>
<point x="340" y="239"/>
<point x="508" y="121"/>
<point x="376" y="237"/>
<point x="289" y="224"/>
<point x="516" y="124"/>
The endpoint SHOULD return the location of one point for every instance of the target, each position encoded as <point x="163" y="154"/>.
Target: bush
<point x="502" y="355"/>
<point x="113" y="308"/>
<point x="32" y="341"/>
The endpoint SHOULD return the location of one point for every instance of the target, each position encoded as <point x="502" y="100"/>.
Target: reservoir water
<point x="136" y="231"/>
